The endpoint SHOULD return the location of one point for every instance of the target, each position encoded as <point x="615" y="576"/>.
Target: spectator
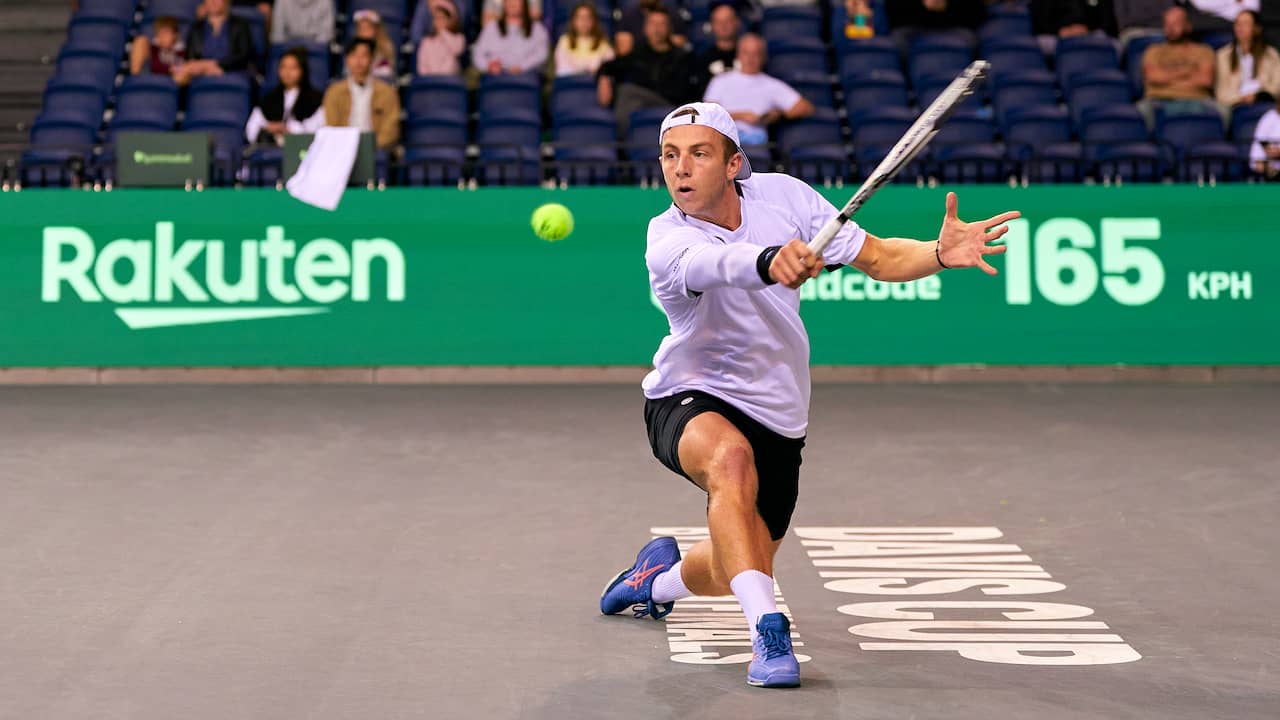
<point x="262" y="6"/>
<point x="369" y="27"/>
<point x="492" y="11"/>
<point x="1137" y="18"/>
<point x="1264" y="154"/>
<point x="1248" y="68"/>
<point x="583" y="48"/>
<point x="292" y="106"/>
<point x="859" y="19"/>
<point x="423" y="23"/>
<point x="909" y="19"/>
<point x="632" y="26"/>
<point x="656" y="74"/>
<point x="754" y="99"/>
<point x="218" y="44"/>
<point x="308" y="21"/>
<point x="1178" y="73"/>
<point x="439" y="51"/>
<point x="514" y="44"/>
<point x="361" y="100"/>
<point x="1052" y="20"/>
<point x="160" y="55"/>
<point x="719" y="57"/>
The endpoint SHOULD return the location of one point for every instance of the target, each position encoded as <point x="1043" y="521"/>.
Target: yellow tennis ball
<point x="552" y="222"/>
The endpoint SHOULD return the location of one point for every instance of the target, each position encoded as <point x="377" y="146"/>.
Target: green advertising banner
<point x="1094" y="275"/>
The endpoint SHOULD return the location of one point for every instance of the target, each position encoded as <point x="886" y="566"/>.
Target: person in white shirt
<point x="292" y="106"/>
<point x="1264" y="153"/>
<point x="727" y="403"/>
<point x="754" y="99"/>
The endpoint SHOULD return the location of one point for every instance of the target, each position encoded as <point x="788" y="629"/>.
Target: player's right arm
<point x="685" y="262"/>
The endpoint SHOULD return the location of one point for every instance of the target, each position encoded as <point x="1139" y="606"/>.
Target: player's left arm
<point x="959" y="245"/>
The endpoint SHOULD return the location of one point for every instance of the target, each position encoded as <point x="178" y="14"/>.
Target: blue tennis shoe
<point x="774" y="664"/>
<point x="633" y="587"/>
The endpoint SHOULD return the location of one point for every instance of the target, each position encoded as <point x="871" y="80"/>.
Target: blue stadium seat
<point x="965" y="150"/>
<point x="1013" y="55"/>
<point x="1215" y="39"/>
<point x="1006" y="20"/>
<point x="930" y="55"/>
<point x="1199" y="147"/>
<point x="435" y="151"/>
<point x="149" y="99"/>
<point x="876" y="131"/>
<point x="88" y="67"/>
<point x="1033" y="88"/>
<point x="1038" y="141"/>
<point x="791" y="22"/>
<point x="1244" y="118"/>
<point x="863" y="56"/>
<point x="1133" y="60"/>
<point x="509" y="150"/>
<point x="1118" y="146"/>
<point x="585" y="151"/>
<point x="224" y="98"/>
<point x="265" y="166"/>
<point x="436" y="96"/>
<point x="813" y="149"/>
<point x="1084" y="53"/>
<point x="228" y="143"/>
<point x="1098" y="88"/>
<point x="183" y="10"/>
<point x="317" y="65"/>
<point x="512" y="96"/>
<point x="119" y="11"/>
<point x="642" y="145"/>
<point x="574" y="96"/>
<point x="879" y="89"/>
<point x="73" y="102"/>
<point x="102" y="35"/>
<point x="929" y="87"/>
<point x="796" y="55"/>
<point x="814" y="87"/>
<point x="58" y="153"/>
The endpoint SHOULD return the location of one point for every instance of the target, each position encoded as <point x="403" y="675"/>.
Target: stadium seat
<point x="1215" y="39"/>
<point x="876" y="131"/>
<point x="585" y="151"/>
<point x="1084" y="53"/>
<point x="1244" y="118"/>
<point x="1013" y="55"/>
<point x="573" y="95"/>
<point x="813" y="149"/>
<point x="790" y="57"/>
<point x="965" y="150"/>
<point x="509" y="150"/>
<point x="435" y="96"/>
<point x="149" y="99"/>
<point x="435" y="150"/>
<point x="1198" y="146"/>
<point x="119" y="11"/>
<point x="183" y="10"/>
<point x="228" y="143"/>
<point x="931" y="86"/>
<point x="814" y="87"/>
<point x="1098" y="88"/>
<point x="102" y="35"/>
<point x="88" y="67"/>
<point x="223" y="98"/>
<point x="1118" y="146"/>
<point x="1006" y="20"/>
<point x="1033" y="88"/>
<point x="73" y="102"/>
<point x="863" y="56"/>
<point x="511" y="96"/>
<point x="879" y="89"/>
<point x="1133" y="60"/>
<point x="58" y="153"/>
<point x="1038" y="142"/>
<point x="938" y="55"/>
<point x="317" y="65"/>
<point x="787" y="22"/>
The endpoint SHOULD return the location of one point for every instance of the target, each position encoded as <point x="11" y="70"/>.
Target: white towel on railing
<point x="324" y="171"/>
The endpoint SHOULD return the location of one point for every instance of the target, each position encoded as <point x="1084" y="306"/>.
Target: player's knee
<point x="732" y="468"/>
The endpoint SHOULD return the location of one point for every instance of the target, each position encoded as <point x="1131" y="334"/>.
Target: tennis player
<point x="727" y="404"/>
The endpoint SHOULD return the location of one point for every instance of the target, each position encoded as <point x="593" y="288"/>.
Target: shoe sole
<point x="767" y="684"/>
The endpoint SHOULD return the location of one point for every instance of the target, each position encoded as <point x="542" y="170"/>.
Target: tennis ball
<point x="552" y="222"/>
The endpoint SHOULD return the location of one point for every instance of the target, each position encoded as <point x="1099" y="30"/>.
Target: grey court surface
<point x="437" y="552"/>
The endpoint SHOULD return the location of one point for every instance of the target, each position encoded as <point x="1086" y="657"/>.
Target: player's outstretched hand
<point x="794" y="264"/>
<point x="962" y="244"/>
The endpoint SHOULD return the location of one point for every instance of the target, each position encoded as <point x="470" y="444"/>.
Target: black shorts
<point x="777" y="457"/>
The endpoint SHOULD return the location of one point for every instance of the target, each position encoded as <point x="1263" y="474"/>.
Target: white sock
<point x="754" y="591"/>
<point x="669" y="586"/>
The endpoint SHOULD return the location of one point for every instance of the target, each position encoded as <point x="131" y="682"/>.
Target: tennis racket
<point x="906" y="149"/>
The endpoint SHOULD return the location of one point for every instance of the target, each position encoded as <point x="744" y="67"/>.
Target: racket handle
<point x="820" y="241"/>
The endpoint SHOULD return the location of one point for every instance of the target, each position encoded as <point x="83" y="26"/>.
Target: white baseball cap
<point x="713" y="116"/>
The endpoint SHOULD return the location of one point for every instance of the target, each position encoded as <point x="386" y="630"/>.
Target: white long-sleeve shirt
<point x="732" y="335"/>
<point x="292" y="125"/>
<point x="1268" y="130"/>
